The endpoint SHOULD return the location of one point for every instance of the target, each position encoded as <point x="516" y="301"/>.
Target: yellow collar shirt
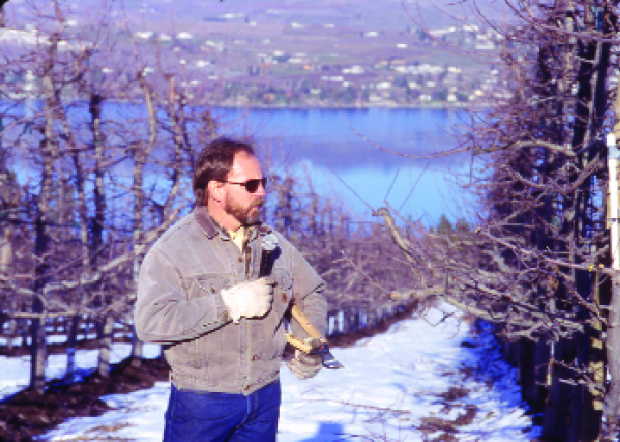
<point x="238" y="237"/>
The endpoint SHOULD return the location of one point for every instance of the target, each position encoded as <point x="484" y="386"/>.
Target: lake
<point x="358" y="157"/>
<point x="344" y="149"/>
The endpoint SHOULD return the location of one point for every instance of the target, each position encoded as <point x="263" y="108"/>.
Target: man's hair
<point x="214" y="164"/>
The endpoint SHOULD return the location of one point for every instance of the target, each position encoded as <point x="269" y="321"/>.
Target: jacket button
<point x="284" y="297"/>
<point x="255" y="357"/>
<point x="240" y="259"/>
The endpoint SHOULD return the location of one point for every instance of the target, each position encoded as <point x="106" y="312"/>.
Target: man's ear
<point x="215" y="189"/>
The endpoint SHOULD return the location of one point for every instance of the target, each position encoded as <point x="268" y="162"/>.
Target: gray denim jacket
<point x="180" y="306"/>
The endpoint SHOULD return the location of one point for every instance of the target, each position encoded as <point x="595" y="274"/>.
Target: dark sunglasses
<point x="251" y="185"/>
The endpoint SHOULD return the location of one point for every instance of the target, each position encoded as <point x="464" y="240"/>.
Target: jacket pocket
<point x="282" y="290"/>
<point x="192" y="353"/>
<point x="275" y="336"/>
<point x="207" y="284"/>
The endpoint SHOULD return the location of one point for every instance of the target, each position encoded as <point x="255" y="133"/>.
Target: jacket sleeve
<point x="308" y="288"/>
<point x="163" y="313"/>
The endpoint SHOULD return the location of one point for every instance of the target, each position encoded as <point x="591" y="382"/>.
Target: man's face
<point x="240" y="203"/>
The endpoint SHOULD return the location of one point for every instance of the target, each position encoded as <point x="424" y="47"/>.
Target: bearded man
<point x="200" y="295"/>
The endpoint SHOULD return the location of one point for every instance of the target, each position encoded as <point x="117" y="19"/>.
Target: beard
<point x="246" y="215"/>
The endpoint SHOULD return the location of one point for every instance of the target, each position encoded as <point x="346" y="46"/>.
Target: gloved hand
<point x="305" y="366"/>
<point x="249" y="299"/>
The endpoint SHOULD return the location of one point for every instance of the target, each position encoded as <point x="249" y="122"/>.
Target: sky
<point x="420" y="373"/>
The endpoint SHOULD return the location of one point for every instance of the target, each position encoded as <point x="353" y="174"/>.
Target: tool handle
<point x="306" y="324"/>
<point x="310" y="346"/>
<point x="298" y="343"/>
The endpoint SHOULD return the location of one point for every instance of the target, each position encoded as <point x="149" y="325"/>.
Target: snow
<point x="409" y="384"/>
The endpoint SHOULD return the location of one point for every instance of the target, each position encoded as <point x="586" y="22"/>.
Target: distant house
<point x="438" y="33"/>
<point x="484" y="43"/>
<point x="470" y="28"/>
<point x="25" y="37"/>
<point x="33" y="37"/>
<point x="215" y="44"/>
<point x="145" y="35"/>
<point x="503" y="95"/>
<point x="184" y="36"/>
<point x="332" y="78"/>
<point x="355" y="70"/>
<point x="426" y="68"/>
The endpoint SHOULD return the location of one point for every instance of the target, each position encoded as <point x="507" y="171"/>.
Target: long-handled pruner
<point x="317" y="345"/>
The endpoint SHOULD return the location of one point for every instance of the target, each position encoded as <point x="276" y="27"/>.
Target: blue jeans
<point x="199" y="416"/>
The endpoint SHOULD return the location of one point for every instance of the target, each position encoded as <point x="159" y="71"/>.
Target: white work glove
<point x="249" y="299"/>
<point x="304" y="365"/>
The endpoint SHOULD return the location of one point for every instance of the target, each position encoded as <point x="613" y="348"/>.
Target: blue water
<point x="358" y="158"/>
<point x="362" y="157"/>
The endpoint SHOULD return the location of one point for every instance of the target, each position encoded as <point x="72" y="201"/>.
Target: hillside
<point x="300" y="52"/>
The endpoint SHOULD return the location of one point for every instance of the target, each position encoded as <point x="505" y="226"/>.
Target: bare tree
<point x="538" y="263"/>
<point x="78" y="250"/>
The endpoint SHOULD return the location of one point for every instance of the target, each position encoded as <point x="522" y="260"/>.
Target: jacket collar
<point x="211" y="228"/>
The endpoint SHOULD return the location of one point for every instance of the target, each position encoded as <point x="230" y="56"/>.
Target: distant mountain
<point x="376" y="14"/>
<point x="380" y="15"/>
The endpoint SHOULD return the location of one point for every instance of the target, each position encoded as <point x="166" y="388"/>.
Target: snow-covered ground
<point x="413" y="383"/>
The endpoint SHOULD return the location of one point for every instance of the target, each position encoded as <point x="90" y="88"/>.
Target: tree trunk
<point x="612" y="398"/>
<point x="6" y="257"/>
<point x="105" y="330"/>
<point x="558" y="411"/>
<point x="137" y="349"/>
<point x="42" y="239"/>
<point x="38" y="351"/>
<point x="72" y="333"/>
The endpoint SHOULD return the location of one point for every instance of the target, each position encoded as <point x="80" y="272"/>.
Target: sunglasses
<point x="251" y="185"/>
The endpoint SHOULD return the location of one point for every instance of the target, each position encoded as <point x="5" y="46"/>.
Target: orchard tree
<point x="538" y="262"/>
<point x="73" y="161"/>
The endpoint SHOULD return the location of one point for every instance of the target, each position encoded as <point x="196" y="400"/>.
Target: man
<point x="200" y="295"/>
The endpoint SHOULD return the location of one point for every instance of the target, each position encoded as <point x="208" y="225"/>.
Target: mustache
<point x="259" y="203"/>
